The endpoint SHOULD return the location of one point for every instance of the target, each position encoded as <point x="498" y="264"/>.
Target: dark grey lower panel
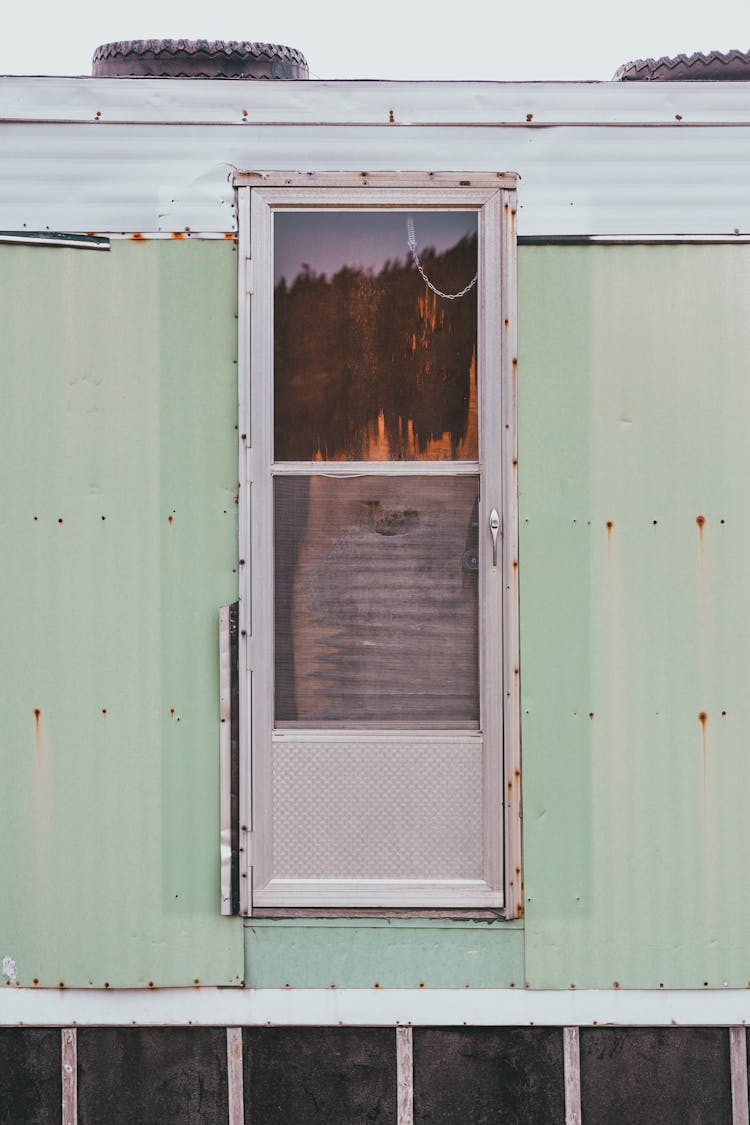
<point x="30" y="1076"/>
<point x="152" y="1076"/>
<point x="655" y="1076"/>
<point x="321" y="1076"/>
<point x="478" y="1076"/>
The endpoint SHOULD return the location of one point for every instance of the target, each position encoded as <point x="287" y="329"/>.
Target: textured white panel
<point x="377" y="809"/>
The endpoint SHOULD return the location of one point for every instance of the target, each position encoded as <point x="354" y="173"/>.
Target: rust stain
<point x="591" y="714"/>
<point x="610" y="529"/>
<point x="136" y="236"/>
<point x="171" y="712"/>
<point x="529" y="116"/>
<point x="391" y="118"/>
<point x="37" y="719"/>
<point x="104" y="710"/>
<point x="703" y="720"/>
<point x="701" y="521"/>
<point x="170" y="520"/>
<point x="177" y="234"/>
<point x="678" y="117"/>
<point x="230" y="236"/>
<point x="59" y="519"/>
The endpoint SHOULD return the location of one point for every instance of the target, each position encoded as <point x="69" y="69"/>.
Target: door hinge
<point x="249" y="278"/>
<point x="247" y="847"/>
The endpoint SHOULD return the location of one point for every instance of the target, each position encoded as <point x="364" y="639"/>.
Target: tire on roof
<point x="734" y="66"/>
<point x="197" y="58"/>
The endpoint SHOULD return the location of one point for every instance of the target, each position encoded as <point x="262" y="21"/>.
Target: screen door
<point x="376" y="563"/>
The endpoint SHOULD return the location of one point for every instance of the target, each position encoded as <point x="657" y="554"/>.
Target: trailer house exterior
<point x="374" y="711"/>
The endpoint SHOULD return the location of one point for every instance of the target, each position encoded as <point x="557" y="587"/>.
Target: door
<point x="374" y="603"/>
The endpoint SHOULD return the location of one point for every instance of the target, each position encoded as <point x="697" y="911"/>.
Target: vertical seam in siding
<point x="69" y="1066"/>
<point x="572" y="1070"/>
<point x="738" y="1064"/>
<point x="405" y="1075"/>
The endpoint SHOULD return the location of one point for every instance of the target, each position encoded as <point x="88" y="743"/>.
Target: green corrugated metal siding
<point x="634" y="407"/>
<point x="119" y="401"/>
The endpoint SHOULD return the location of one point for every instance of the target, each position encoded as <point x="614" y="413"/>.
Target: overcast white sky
<point x="446" y="39"/>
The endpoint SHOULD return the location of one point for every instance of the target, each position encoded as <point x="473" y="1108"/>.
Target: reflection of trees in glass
<point x="375" y="366"/>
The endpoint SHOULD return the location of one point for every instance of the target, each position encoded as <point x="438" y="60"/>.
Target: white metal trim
<point x="225" y="760"/>
<point x="491" y="1007"/>
<point x="496" y="356"/>
<point x="182" y="101"/>
<point x="244" y="477"/>
<point x="511" y="659"/>
<point x="381" y="468"/>
<point x="378" y="893"/>
<point x="386" y="198"/>
<point x="490" y="181"/>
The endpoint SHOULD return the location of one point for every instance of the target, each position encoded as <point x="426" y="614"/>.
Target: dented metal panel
<point x="119" y="542"/>
<point x="635" y="614"/>
<point x="595" y="158"/>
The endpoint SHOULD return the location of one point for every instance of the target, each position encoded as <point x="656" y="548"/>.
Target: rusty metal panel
<point x="635" y="619"/>
<point x="118" y="546"/>
<point x="595" y="158"/>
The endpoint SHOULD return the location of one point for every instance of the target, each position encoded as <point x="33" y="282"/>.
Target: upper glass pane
<point x="375" y="360"/>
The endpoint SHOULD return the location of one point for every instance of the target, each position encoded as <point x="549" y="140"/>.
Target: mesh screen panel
<point x="376" y="601"/>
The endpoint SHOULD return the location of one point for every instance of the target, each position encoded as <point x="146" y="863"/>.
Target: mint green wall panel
<point x="384" y="953"/>
<point x="118" y="545"/>
<point x="634" y="463"/>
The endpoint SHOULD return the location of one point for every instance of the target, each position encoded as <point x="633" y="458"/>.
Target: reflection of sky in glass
<point x="328" y="240"/>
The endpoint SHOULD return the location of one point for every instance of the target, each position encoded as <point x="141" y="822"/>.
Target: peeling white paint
<point x="9" y="969"/>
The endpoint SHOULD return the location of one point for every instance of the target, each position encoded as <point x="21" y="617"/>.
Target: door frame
<point x="495" y="195"/>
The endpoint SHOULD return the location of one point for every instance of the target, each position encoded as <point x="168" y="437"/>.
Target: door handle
<point x="494" y="529"/>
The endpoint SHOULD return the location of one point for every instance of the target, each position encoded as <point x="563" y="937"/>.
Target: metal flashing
<point x="310" y="1007"/>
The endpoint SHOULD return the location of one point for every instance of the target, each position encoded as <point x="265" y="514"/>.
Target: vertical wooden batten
<point x="69" y="1064"/>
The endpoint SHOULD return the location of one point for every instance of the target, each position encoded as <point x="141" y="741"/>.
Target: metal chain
<point x="412" y="240"/>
